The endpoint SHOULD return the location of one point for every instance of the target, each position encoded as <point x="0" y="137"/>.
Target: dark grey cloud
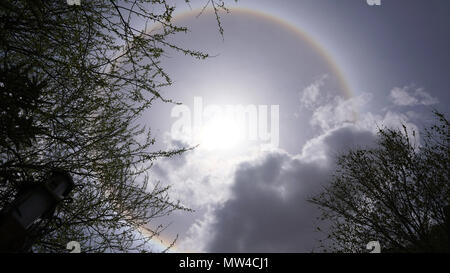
<point x="268" y="211"/>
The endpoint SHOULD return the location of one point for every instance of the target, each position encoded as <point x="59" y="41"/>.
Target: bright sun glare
<point x="220" y="133"/>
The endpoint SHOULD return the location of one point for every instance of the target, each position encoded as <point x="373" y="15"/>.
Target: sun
<point x="221" y="133"/>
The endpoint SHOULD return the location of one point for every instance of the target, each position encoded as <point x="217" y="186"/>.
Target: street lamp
<point x="33" y="203"/>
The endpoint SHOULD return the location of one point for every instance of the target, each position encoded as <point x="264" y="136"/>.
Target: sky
<point x="311" y="79"/>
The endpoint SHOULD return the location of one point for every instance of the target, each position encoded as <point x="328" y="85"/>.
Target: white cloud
<point x="339" y="111"/>
<point x="406" y="96"/>
<point x="309" y="97"/>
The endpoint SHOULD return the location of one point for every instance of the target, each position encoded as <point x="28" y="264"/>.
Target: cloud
<point x="309" y="97"/>
<point x="267" y="208"/>
<point x="407" y="97"/>
<point x="200" y="180"/>
<point x="339" y="111"/>
<point x="256" y="202"/>
<point x="165" y="165"/>
<point x="268" y="211"/>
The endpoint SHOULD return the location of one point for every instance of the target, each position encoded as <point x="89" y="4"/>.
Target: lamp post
<point x="33" y="203"/>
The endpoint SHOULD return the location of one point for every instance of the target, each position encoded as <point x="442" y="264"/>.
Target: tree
<point x="74" y="81"/>
<point x="397" y="193"/>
